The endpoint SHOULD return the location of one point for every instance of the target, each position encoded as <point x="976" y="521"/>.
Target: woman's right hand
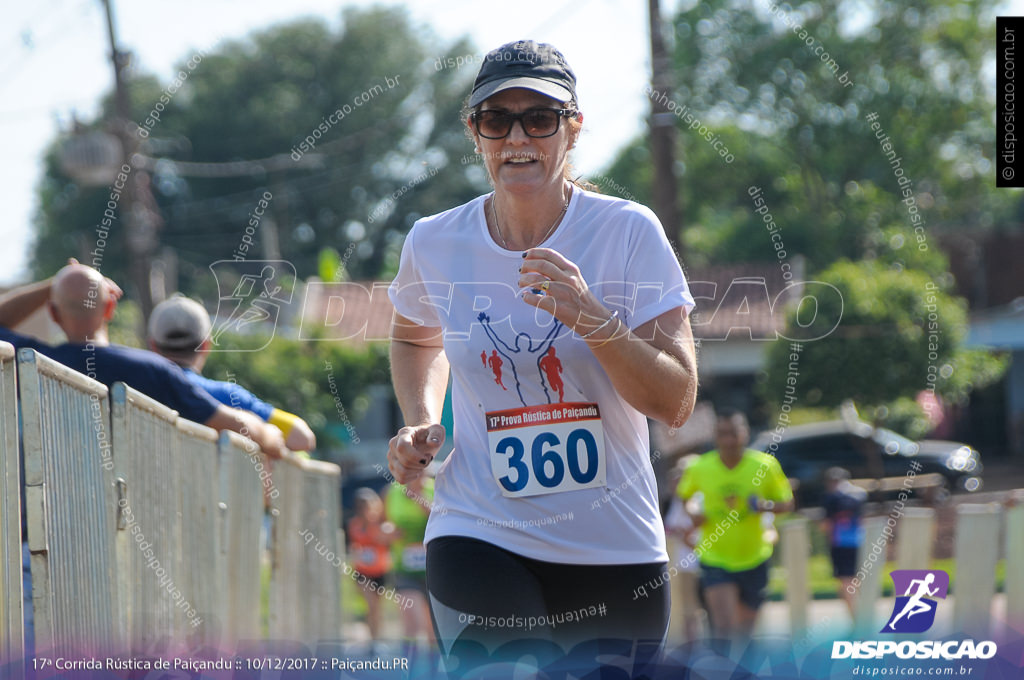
<point x="411" y="450"/>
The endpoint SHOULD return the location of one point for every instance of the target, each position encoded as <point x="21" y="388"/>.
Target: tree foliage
<point x="788" y="89"/>
<point x="797" y="125"/>
<point x="386" y="146"/>
<point x="323" y="382"/>
<point x="900" y="333"/>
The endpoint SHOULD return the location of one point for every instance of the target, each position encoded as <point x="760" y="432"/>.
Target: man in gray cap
<point x="179" y="329"/>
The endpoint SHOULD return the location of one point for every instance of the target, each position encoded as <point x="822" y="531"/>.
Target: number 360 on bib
<point x="546" y="449"/>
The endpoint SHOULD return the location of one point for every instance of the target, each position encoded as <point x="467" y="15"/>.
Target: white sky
<point x="53" y="61"/>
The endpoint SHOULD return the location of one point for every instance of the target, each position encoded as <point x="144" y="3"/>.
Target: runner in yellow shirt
<point x="737" y="485"/>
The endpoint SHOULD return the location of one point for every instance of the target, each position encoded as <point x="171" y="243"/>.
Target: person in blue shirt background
<point x="843" y="504"/>
<point x="179" y="330"/>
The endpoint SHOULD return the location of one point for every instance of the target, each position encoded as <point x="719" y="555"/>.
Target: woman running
<point x="551" y="503"/>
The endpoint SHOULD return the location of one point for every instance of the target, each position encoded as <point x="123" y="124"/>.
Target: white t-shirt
<point x="503" y="355"/>
<point x="677" y="521"/>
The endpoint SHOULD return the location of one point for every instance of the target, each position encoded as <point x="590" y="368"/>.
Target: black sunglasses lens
<point x="540" y="122"/>
<point x="493" y="124"/>
<point x="536" y="123"/>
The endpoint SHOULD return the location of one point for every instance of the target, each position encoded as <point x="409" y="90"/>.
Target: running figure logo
<point x="552" y="370"/>
<point x="251" y="296"/>
<point x="548" y="365"/>
<point x="495" y="363"/>
<point x="914" y="611"/>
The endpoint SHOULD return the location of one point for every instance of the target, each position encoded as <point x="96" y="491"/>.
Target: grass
<point x="819" y="569"/>
<point x="823" y="586"/>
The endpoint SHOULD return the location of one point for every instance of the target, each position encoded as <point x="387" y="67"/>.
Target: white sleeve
<point x="677" y="518"/>
<point x="408" y="292"/>
<point x="652" y="266"/>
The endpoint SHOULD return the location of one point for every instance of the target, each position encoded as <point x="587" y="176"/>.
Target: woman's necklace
<point x="504" y="243"/>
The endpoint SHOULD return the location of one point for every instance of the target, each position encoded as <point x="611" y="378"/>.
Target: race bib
<point x="366" y="556"/>
<point x="546" y="449"/>
<point x="414" y="557"/>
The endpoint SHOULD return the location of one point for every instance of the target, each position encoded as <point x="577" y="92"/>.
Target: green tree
<point x="323" y="382"/>
<point x="796" y="125"/>
<point x="900" y="333"/>
<point x="393" y="153"/>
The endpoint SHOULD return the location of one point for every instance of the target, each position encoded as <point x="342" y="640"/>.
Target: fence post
<point x="12" y="630"/>
<point x="976" y="551"/>
<point x="242" y="495"/>
<point x="150" y="475"/>
<point x="869" y="574"/>
<point x="306" y="559"/>
<point x="203" y="580"/>
<point x="288" y="548"/>
<point x="796" y="551"/>
<point x="70" y="507"/>
<point x="1014" y="585"/>
<point x="322" y="512"/>
<point x="915" y="538"/>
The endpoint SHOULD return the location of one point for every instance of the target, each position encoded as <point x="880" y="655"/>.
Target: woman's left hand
<point x="555" y="284"/>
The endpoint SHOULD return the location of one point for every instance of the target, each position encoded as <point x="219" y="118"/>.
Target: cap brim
<point x="553" y="90"/>
<point x="178" y="345"/>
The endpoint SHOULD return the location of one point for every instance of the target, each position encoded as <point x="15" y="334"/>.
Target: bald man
<point x="82" y="302"/>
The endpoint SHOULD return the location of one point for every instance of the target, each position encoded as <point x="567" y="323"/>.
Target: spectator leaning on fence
<point x="179" y="330"/>
<point x="82" y="302"/>
<point x="737" y="484"/>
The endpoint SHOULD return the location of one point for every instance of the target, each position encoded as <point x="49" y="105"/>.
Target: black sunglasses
<point x="497" y="124"/>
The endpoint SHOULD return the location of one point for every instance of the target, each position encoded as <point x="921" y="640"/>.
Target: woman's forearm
<point x="419" y="374"/>
<point x="656" y="376"/>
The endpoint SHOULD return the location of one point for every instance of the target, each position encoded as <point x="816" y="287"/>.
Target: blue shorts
<point x="752" y="582"/>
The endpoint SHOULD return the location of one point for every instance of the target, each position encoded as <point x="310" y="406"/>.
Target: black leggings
<point x="489" y="604"/>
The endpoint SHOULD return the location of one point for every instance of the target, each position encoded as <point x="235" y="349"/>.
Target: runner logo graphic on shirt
<point x="495" y="363"/>
<point x="549" y="367"/>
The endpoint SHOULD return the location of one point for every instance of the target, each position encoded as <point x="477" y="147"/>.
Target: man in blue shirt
<point x="82" y="302"/>
<point x="179" y="330"/>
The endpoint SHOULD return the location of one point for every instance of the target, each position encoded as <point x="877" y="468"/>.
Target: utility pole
<point x="663" y="133"/>
<point x="138" y="207"/>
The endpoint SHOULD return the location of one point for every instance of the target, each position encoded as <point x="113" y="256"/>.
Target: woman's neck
<point x="526" y="220"/>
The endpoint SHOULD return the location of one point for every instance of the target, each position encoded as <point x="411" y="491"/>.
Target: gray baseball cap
<point x="179" y="324"/>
